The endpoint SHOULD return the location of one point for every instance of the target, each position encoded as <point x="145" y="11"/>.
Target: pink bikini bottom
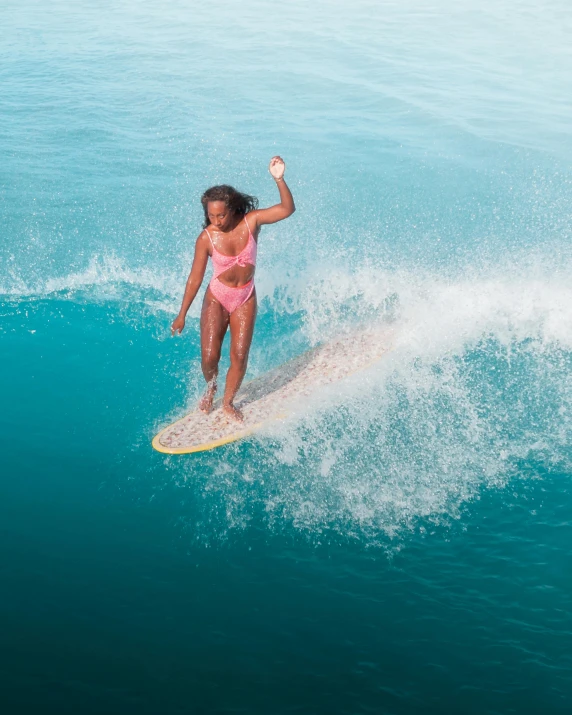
<point x="231" y="298"/>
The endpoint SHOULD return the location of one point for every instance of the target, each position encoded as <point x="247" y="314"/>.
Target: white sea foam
<point x="476" y="390"/>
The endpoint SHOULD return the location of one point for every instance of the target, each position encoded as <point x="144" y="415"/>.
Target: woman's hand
<point x="277" y="167"/>
<point x="286" y="206"/>
<point x="178" y="325"/>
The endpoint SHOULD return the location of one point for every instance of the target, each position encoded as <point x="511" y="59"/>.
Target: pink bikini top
<point x="222" y="262"/>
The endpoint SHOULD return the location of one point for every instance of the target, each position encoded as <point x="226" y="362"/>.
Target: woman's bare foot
<point x="233" y="412"/>
<point x="206" y="401"/>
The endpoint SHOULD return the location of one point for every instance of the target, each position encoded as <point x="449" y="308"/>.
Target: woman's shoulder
<point x="204" y="239"/>
<point x="251" y="219"/>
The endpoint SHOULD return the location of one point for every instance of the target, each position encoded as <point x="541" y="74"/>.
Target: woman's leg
<point x="241" y="331"/>
<point x="214" y="324"/>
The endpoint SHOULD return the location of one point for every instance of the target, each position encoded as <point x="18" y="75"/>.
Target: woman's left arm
<point x="286" y="206"/>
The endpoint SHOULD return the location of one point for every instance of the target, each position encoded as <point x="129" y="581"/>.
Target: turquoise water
<point x="404" y="544"/>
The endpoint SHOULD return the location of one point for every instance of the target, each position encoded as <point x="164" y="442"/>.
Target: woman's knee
<point x="239" y="358"/>
<point x="210" y="359"/>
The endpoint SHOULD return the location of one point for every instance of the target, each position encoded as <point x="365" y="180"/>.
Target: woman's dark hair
<point x="239" y="204"/>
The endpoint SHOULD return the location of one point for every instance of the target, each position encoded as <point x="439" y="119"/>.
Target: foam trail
<point x="475" y="393"/>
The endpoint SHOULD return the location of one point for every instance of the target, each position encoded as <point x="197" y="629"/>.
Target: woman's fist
<point x="277" y="167"/>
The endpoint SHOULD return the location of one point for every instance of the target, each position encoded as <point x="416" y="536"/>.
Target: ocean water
<point x="403" y="545"/>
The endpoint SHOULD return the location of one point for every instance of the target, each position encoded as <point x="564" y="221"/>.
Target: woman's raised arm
<point x="286" y="206"/>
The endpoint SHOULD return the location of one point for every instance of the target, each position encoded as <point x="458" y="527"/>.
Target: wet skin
<point x="229" y="238"/>
<point x="230" y="235"/>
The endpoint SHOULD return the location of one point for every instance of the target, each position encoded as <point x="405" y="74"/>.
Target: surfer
<point x="230" y="236"/>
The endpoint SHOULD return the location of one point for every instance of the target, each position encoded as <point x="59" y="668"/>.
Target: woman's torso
<point x="239" y="244"/>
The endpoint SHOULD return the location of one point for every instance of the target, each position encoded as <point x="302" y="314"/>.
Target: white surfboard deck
<point x="268" y="397"/>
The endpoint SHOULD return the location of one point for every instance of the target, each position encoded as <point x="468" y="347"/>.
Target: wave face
<point x="411" y="520"/>
<point x="475" y="392"/>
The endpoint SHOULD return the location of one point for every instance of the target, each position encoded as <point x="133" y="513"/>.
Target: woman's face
<point x="219" y="215"/>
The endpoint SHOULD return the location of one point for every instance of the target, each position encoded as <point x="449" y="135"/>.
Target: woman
<point x="230" y="236"/>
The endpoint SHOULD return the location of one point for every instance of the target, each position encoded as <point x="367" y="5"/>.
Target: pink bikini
<point x="230" y="297"/>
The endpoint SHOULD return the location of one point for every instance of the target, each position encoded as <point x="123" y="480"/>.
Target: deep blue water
<point x="403" y="545"/>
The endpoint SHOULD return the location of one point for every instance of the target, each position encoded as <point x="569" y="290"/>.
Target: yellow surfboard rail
<point x="156" y="443"/>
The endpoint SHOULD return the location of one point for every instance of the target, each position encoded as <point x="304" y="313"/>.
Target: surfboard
<point x="271" y="396"/>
